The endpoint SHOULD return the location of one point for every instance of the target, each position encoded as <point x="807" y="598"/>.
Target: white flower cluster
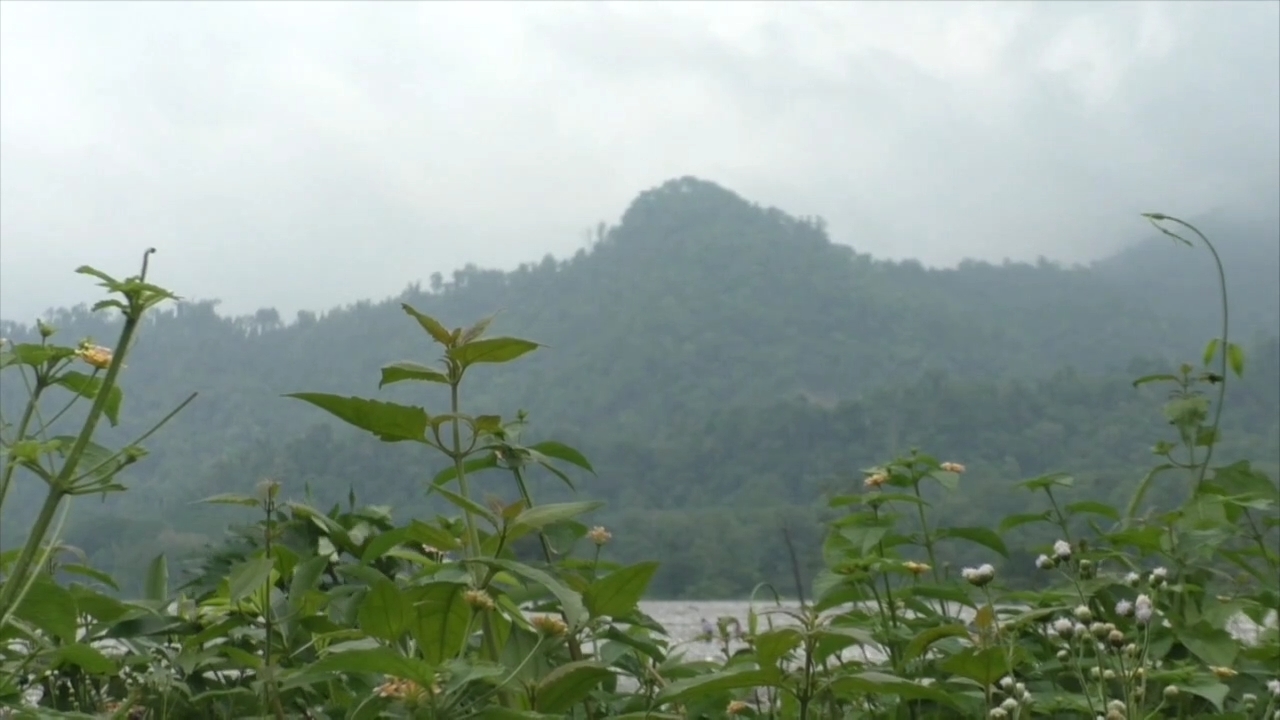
<point x="980" y="575"/>
<point x="1016" y="698"/>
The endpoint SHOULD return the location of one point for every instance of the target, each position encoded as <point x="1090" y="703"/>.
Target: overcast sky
<point x="304" y="155"/>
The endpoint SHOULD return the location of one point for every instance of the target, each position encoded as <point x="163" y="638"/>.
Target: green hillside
<point x="722" y="364"/>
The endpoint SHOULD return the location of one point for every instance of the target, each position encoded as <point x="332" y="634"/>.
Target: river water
<point x="683" y="622"/>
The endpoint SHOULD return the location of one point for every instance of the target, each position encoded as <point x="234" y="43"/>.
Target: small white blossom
<point x="1142" y="609"/>
<point x="980" y="575"/>
<point x="1044" y="562"/>
<point x="1062" y="549"/>
<point x="1273" y="686"/>
<point x="1064" y="627"/>
<point x="1123" y="608"/>
<point x="1132" y="579"/>
<point x="1083" y="614"/>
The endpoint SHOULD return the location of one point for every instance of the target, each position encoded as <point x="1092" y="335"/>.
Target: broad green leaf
<point x="772" y="646"/>
<point x="97" y="465"/>
<point x="390" y="422"/>
<point x="1214" y="646"/>
<point x="87" y="387"/>
<point x="92" y="573"/>
<point x="435" y="536"/>
<point x="1235" y="359"/>
<point x="306" y="577"/>
<point x="35" y="355"/>
<point x="617" y="593"/>
<point x="230" y="499"/>
<point x="570" y="602"/>
<point x="712" y="684"/>
<point x="385" y="613"/>
<point x="1160" y="377"/>
<point x="567" y="685"/>
<point x="1019" y="519"/>
<point x="431" y="325"/>
<point x="536" y="518"/>
<point x="475" y="331"/>
<point x="248" y="577"/>
<point x="879" y="683"/>
<point x="982" y="536"/>
<point x="441" y="618"/>
<point x="381" y="543"/>
<point x="405" y="370"/>
<point x="921" y="642"/>
<point x="51" y="608"/>
<point x="984" y="666"/>
<point x="467" y="504"/>
<point x="1095" y="508"/>
<point x="87" y="658"/>
<point x="1210" y="350"/>
<point x="1048" y="481"/>
<point x="472" y="465"/>
<point x="560" y="451"/>
<point x="491" y="350"/>
<point x="372" y="661"/>
<point x="1144" y="485"/>
<point x="1207" y="688"/>
<point x="157" y="584"/>
<point x="107" y="281"/>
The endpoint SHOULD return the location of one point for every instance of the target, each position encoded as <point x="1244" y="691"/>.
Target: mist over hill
<point x="721" y="363"/>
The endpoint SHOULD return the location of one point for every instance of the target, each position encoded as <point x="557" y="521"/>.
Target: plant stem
<point x="58" y="487"/>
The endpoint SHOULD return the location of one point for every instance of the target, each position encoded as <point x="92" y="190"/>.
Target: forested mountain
<point x="722" y="365"/>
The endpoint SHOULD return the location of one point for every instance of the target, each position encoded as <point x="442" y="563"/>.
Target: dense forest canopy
<point x="723" y="366"/>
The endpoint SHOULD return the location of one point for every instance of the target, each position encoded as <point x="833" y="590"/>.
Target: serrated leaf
<point x="390" y="422"/>
<point x="88" y="386"/>
<point x="491" y="350"/>
<point x="476" y="330"/>
<point x="405" y="370"/>
<point x="431" y="325"/>
<point x="618" y="593"/>
<point x="106" y="279"/>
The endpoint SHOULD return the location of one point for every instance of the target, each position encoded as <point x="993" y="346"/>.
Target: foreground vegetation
<point x="512" y="608"/>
